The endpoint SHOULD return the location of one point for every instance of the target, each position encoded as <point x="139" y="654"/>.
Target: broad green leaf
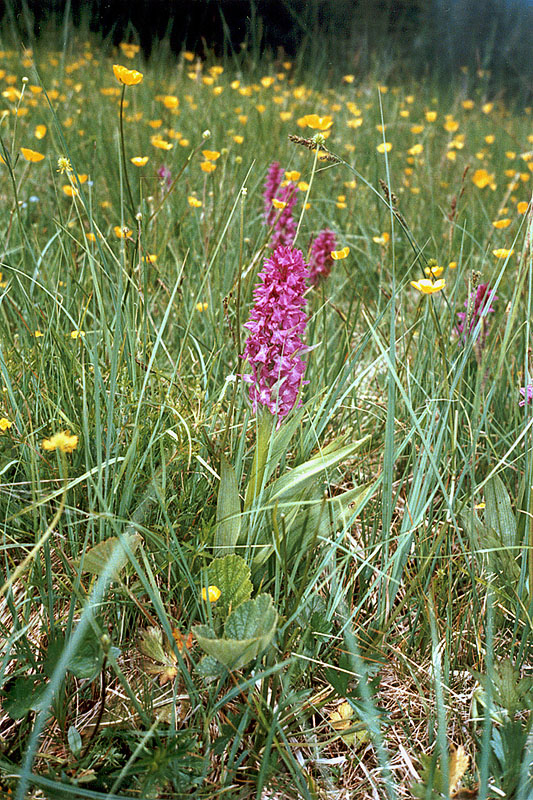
<point x="301" y="476"/>
<point x="87" y="660"/>
<point x="97" y="557"/>
<point x="498" y="512"/>
<point x="256" y="617"/>
<point x="22" y="695"/>
<point x="248" y="631"/>
<point x="209" y="668"/>
<point x="305" y="521"/>
<point x="228" y="510"/>
<point x="232" y="576"/>
<point x="74" y="740"/>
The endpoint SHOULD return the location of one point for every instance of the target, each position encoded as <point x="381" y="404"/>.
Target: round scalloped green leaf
<point x="255" y="618"/>
<point x="232" y="576"/>
<point x="248" y="631"/>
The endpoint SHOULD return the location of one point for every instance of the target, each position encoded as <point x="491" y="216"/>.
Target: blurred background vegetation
<point x="424" y="37"/>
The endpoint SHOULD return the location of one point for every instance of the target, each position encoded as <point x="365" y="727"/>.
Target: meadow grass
<point x="370" y="634"/>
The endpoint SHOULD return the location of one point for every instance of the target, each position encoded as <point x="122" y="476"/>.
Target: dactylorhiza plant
<point x="279" y="198"/>
<point x="478" y="305"/>
<point x="275" y="346"/>
<point x="321" y="259"/>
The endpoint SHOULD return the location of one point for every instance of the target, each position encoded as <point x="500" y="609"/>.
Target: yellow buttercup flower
<point x="194" y="202"/>
<point x="481" y="178"/>
<point x="384" y="147"/>
<point x="337" y="255"/>
<point x="61" y="441"/>
<point x="121" y="233"/>
<point x="278" y="203"/>
<point x="160" y="143"/>
<point x="129" y="77"/>
<point x="501" y="223"/>
<point x="170" y="101"/>
<point x="451" y="125"/>
<point x="427" y="286"/>
<point x="435" y="271"/>
<point x="69" y="190"/>
<point x="207" y="166"/>
<point x="210" y="155"/>
<point x="139" y="161"/>
<point x="522" y="207"/>
<point x="212" y="594"/>
<point x="31" y="155"/>
<point x="129" y="50"/>
<point x="502" y="252"/>
<point x="316" y="122"/>
<point x="5" y="424"/>
<point x="40" y="131"/>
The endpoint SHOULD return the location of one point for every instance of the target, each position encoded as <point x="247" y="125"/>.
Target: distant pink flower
<point x="321" y="260"/>
<point x="285" y="226"/>
<point x="271" y="188"/>
<point x="277" y="323"/>
<point x="483" y="297"/>
<point x="165" y="174"/>
<point x="527" y="394"/>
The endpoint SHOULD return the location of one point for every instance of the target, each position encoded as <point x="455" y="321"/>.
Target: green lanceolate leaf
<point x="300" y="477"/>
<point x="232" y="576"/>
<point x="228" y="510"/>
<point x="248" y="631"/>
<point x="498" y="512"/>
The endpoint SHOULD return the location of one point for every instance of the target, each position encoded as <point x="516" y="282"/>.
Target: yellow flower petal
<point x="502" y="252"/>
<point x="427" y="286"/>
<point x="61" y="441"/>
<point x="339" y="254"/>
<point x="31" y="155"/>
<point x="129" y="77"/>
<point x="212" y="594"/>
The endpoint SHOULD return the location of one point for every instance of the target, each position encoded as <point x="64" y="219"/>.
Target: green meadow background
<point x="370" y="632"/>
